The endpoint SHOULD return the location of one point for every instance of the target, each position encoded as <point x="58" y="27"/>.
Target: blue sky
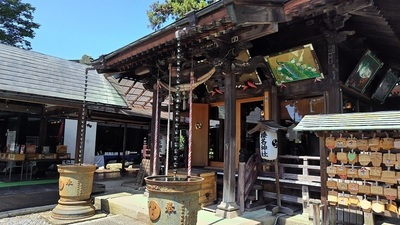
<point x="71" y="28"/>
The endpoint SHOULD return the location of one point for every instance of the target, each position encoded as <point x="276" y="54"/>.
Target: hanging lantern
<point x="268" y="138"/>
<point x="269" y="145"/>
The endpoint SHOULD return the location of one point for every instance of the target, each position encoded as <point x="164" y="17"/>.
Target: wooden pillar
<point x="43" y="132"/>
<point x="22" y="124"/>
<point x="267" y="105"/>
<point x="241" y="185"/>
<point x="150" y="140"/>
<point x="153" y="131"/>
<point x="324" y="189"/>
<point x="124" y="148"/>
<point x="334" y="102"/>
<point x="274" y="115"/>
<point x="334" y="93"/>
<point x="228" y="207"/>
<point x="275" y="106"/>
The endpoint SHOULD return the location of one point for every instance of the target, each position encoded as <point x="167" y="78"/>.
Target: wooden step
<point x="252" y="198"/>
<point x="253" y="203"/>
<point x="257" y="187"/>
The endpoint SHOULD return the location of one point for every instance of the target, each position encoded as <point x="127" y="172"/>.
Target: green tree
<point x="16" y="23"/>
<point x="86" y="59"/>
<point x="159" y="13"/>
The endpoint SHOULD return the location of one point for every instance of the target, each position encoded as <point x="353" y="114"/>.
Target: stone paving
<point x="29" y="219"/>
<point x="41" y="215"/>
<point x="126" y="204"/>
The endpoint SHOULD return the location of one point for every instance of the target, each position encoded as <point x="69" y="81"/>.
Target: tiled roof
<point x="382" y="120"/>
<point x="36" y="74"/>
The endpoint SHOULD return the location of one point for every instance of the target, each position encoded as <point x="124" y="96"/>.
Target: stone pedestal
<point x="75" y="188"/>
<point x="227" y="210"/>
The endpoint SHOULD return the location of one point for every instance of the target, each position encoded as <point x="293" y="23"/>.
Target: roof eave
<point x="235" y="11"/>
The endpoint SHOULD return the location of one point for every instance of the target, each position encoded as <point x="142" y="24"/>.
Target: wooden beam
<point x="164" y="37"/>
<point x="137" y="97"/>
<point x="130" y="87"/>
<point x="40" y="100"/>
<point x="11" y="107"/>
<point x="286" y="198"/>
<point x="259" y="14"/>
<point x="259" y="2"/>
<point x="59" y="111"/>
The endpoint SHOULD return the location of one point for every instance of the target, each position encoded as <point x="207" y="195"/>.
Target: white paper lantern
<point x="269" y="145"/>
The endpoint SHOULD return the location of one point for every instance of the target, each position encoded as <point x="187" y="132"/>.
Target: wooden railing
<point x="310" y="173"/>
<point x="248" y="173"/>
<point x="295" y="173"/>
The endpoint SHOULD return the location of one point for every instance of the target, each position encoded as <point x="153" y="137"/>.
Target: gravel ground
<point x="29" y="219"/>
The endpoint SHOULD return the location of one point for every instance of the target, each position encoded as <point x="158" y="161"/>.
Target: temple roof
<point x="231" y="22"/>
<point x="38" y="76"/>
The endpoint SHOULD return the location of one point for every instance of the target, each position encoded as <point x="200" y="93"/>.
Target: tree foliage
<point x="159" y="13"/>
<point x="86" y="59"/>
<point x="16" y="23"/>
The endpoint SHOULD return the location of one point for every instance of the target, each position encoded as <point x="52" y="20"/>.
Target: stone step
<point x="121" y="219"/>
<point x="130" y="205"/>
<point x="125" y="205"/>
<point x="98" y="188"/>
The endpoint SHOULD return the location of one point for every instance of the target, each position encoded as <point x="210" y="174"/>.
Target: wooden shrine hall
<point x="244" y="62"/>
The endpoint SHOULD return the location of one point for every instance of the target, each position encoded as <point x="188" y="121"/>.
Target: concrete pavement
<point x="124" y="203"/>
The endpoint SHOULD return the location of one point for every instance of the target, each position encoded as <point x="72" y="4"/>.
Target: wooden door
<point x="200" y="126"/>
